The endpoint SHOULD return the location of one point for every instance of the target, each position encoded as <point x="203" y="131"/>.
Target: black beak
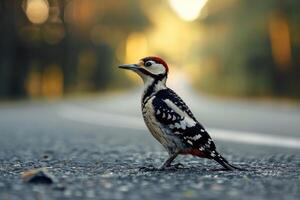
<point x="133" y="67"/>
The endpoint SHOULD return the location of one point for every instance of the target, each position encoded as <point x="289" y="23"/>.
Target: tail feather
<point x="222" y="161"/>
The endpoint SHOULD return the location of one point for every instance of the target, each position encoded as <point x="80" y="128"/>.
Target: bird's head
<point x="149" y="68"/>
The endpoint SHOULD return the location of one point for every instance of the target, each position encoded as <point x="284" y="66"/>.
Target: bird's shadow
<point x="180" y="168"/>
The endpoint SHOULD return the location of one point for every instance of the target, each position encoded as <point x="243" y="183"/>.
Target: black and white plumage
<point x="169" y="119"/>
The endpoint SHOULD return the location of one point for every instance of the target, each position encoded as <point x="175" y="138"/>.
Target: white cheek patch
<point x="157" y="69"/>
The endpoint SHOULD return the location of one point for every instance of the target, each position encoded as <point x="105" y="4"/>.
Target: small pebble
<point x="38" y="176"/>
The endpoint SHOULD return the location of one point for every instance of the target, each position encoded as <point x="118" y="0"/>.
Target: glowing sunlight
<point x="187" y="10"/>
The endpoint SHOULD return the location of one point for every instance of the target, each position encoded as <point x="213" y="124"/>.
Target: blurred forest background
<point x="50" y="48"/>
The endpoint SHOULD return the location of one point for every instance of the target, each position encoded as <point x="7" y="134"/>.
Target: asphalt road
<point x="96" y="148"/>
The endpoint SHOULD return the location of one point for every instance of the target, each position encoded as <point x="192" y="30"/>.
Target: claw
<point x="172" y="167"/>
<point x="148" y="168"/>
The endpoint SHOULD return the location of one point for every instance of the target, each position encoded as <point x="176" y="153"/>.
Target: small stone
<point x="47" y="157"/>
<point x="18" y="165"/>
<point x="38" y="176"/>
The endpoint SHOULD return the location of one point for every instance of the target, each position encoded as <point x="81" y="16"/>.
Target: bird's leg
<point x="168" y="162"/>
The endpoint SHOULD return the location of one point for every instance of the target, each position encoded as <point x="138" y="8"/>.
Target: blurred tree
<point x="42" y="40"/>
<point x="254" y="47"/>
<point x="12" y="75"/>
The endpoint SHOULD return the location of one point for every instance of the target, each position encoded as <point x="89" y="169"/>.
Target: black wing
<point x="174" y="114"/>
<point x="170" y="94"/>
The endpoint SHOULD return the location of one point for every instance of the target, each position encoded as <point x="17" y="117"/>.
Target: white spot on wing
<point x="183" y="125"/>
<point x="188" y="120"/>
<point x="196" y="137"/>
<point x="190" y="142"/>
<point x="158" y="112"/>
<point x="169" y="116"/>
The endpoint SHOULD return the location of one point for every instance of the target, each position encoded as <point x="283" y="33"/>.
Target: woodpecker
<point x="169" y="119"/>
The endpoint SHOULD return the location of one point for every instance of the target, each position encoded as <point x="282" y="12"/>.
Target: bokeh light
<point x="188" y="10"/>
<point x="228" y="47"/>
<point x="37" y="11"/>
<point x="280" y="40"/>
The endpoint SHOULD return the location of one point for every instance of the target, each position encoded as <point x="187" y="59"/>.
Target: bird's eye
<point x="148" y="64"/>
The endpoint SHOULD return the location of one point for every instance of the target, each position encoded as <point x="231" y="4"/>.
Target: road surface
<point x="96" y="148"/>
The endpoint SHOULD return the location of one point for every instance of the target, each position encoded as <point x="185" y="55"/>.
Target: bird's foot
<point x="169" y="167"/>
<point x="172" y="167"/>
<point x="148" y="168"/>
